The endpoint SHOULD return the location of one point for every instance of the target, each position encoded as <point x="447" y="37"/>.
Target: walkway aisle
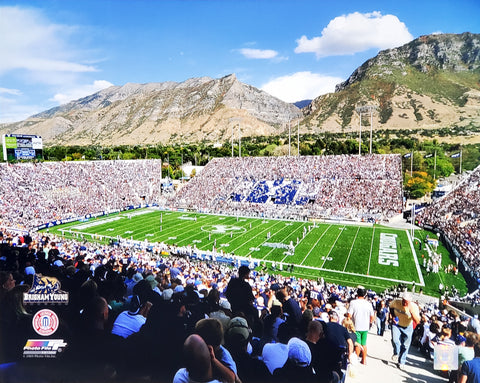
<point x="380" y="368"/>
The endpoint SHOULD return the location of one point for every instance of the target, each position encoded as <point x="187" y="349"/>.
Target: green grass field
<point x="375" y="256"/>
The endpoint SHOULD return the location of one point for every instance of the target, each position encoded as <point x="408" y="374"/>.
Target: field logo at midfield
<point x="387" y="254"/>
<point x="223" y="229"/>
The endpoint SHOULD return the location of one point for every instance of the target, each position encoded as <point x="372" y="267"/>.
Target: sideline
<point x="415" y="259"/>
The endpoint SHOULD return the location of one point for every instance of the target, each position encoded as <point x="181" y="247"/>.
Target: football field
<point x="373" y="255"/>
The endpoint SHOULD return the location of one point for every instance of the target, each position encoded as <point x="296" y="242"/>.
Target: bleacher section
<point x="343" y="187"/>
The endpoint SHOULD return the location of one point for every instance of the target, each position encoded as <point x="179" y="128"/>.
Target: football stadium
<point x="239" y="191"/>
<point x="316" y="227"/>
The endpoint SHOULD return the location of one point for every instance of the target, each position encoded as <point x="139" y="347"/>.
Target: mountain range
<point x="433" y="82"/>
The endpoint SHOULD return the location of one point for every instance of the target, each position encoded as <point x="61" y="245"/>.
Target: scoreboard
<point x="22" y="147"/>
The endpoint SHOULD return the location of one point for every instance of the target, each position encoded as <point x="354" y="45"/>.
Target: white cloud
<point x="356" y="32"/>
<point x="251" y="53"/>
<point x="13" y="92"/>
<point x="32" y="43"/>
<point x="80" y="91"/>
<point x="300" y="86"/>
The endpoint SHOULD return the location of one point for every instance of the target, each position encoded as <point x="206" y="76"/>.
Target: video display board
<point x="22" y="147"/>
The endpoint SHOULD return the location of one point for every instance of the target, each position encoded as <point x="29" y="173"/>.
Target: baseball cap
<point x="406" y="295"/>
<point x="299" y="352"/>
<point x="274" y="355"/>
<point x="238" y="326"/>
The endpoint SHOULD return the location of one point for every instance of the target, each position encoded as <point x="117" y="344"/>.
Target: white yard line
<point x="415" y="259"/>
<point x="313" y="247"/>
<point x="355" y="274"/>
<point x="300" y="241"/>
<point x="351" y="248"/>
<point x="268" y="228"/>
<point x="97" y="222"/>
<point x="334" y="243"/>
<point x="371" y="250"/>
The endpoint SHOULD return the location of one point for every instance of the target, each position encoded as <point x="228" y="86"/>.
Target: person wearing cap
<point x="404" y="312"/>
<point x="153" y="283"/>
<point x="237" y="337"/>
<point x="130" y="321"/>
<point x="298" y="366"/>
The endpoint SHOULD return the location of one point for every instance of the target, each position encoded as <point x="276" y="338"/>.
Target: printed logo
<point x="224" y="229"/>
<point x="39" y="348"/>
<point x="45" y="290"/>
<point x="45" y="322"/>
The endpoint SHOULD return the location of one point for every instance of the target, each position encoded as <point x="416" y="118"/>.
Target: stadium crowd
<point x="135" y="315"/>
<point x="32" y="194"/>
<point x="457" y="216"/>
<point x="342" y="187"/>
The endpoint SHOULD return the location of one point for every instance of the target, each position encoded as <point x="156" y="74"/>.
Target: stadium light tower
<point x="365" y="109"/>
<point x="287" y="119"/>
<point x="360" y="135"/>
<point x="236" y="119"/>
<point x="298" y="138"/>
<point x="289" y="137"/>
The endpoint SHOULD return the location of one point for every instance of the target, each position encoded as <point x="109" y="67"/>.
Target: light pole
<point x="365" y="109"/>
<point x="236" y="119"/>
<point x="371" y="128"/>
<point x="298" y="138"/>
<point x="289" y="137"/>
<point x="360" y="136"/>
<point x="239" y="141"/>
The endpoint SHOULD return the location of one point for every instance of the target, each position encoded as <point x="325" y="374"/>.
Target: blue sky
<point x="55" y="51"/>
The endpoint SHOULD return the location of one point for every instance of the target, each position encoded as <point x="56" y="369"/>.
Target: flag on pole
<point x="456" y="155"/>
<point x="408" y="155"/>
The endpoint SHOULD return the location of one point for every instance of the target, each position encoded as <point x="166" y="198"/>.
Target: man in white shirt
<point x="363" y="316"/>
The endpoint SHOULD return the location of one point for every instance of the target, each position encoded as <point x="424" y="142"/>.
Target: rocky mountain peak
<point x="447" y="52"/>
<point x="196" y="109"/>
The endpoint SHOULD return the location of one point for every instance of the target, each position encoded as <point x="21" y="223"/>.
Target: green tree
<point x="419" y="184"/>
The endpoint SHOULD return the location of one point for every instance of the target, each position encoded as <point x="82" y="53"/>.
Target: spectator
<point x="340" y="342"/>
<point x="322" y="362"/>
<point x="381" y="317"/>
<point x="130" y="321"/>
<point x="470" y="370"/>
<point x="297" y="367"/>
<point x="212" y="333"/>
<point x="200" y="362"/>
<point x="237" y="336"/>
<point x="404" y="312"/>
<point x="291" y="308"/>
<point x="239" y="294"/>
<point x="6" y="283"/>
<point x="362" y="316"/>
